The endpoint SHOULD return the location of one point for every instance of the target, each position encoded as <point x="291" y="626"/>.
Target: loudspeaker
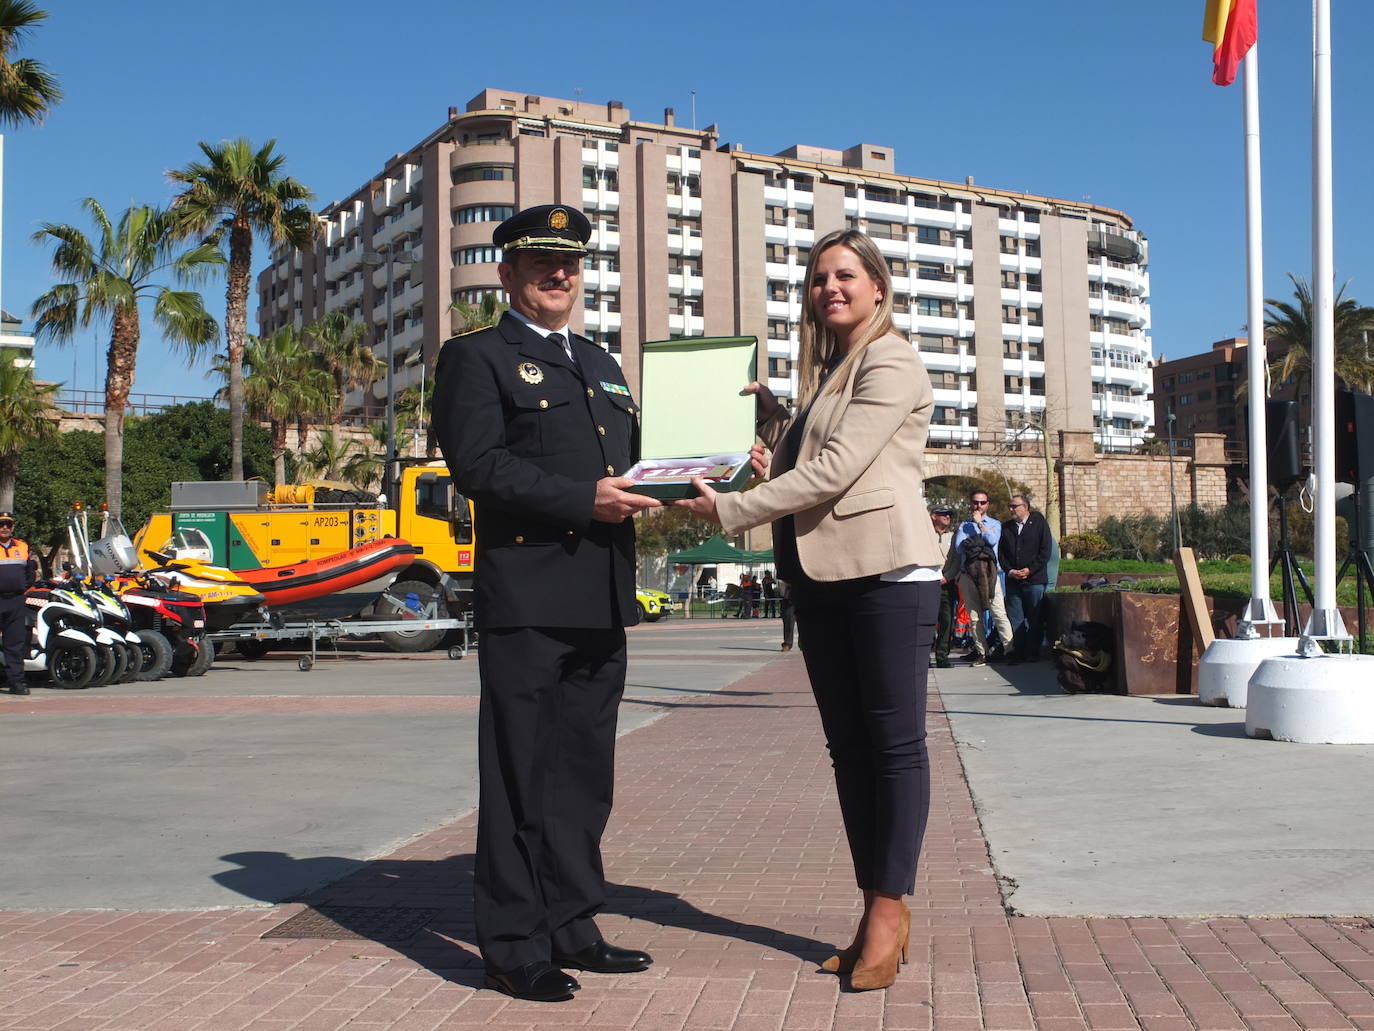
<point x="1281" y="432"/>
<point x="1354" y="436"/>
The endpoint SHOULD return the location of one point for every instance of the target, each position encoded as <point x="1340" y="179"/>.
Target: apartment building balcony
<point x="600" y="199"/>
<point x="686" y="325"/>
<point x="687" y="285"/>
<point x="686" y="242"/>
<point x="400" y="223"/>
<point x="782" y="347"/>
<point x="601" y="279"/>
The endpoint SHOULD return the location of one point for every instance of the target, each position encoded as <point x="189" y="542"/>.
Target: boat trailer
<point x="317" y="630"/>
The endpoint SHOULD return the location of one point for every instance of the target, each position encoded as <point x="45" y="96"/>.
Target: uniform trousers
<point x="14" y="633"/>
<point x="546" y="765"/>
<point x="866" y="643"/>
<point x="944" y="627"/>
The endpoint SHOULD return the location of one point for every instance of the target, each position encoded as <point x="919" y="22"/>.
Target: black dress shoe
<point x="19" y="689"/>
<point x="943" y="664"/>
<point x="534" y="982"/>
<point x="604" y="958"/>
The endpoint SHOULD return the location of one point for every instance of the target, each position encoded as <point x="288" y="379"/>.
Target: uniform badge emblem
<point x="615" y="388"/>
<point x="558" y="219"/>
<point x="530" y="373"/>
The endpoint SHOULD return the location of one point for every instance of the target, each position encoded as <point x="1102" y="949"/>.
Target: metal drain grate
<point x="374" y="923"/>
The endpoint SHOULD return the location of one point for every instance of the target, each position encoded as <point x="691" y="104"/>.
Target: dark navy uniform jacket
<point x="526" y="435"/>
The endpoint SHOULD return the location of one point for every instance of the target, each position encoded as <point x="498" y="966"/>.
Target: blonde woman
<point x="851" y="536"/>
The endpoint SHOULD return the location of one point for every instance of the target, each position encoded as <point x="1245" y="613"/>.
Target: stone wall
<point x="1093" y="486"/>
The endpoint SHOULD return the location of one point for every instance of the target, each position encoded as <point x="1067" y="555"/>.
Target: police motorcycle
<point x="119" y="649"/>
<point x="65" y="635"/>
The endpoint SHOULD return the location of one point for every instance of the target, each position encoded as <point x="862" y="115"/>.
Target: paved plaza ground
<point x="268" y="849"/>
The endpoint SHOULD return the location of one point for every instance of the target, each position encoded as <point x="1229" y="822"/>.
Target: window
<point x="804" y="220"/>
<point x="779" y="368"/>
<point x="776" y="253"/>
<point x="777" y="291"/>
<point x="483" y="213"/>
<point x="774" y="215"/>
<point x="777" y="329"/>
<point x="937" y="345"/>
<point x="1185" y="399"/>
<point x="476" y="255"/>
<point x="897" y="266"/>
<point x="482" y="173"/>
<point x="933" y="271"/>
<point x="886" y="231"/>
<point x="935" y="306"/>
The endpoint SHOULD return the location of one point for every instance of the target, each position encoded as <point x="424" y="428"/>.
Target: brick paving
<point x="726" y="860"/>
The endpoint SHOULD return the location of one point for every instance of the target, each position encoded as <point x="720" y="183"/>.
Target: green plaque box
<point x="694" y="420"/>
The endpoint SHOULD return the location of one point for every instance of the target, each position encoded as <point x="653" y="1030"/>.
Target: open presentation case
<point x="694" y="420"/>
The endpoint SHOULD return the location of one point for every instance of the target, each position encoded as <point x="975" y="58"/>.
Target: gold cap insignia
<point x="558" y="219"/>
<point x="530" y="373"/>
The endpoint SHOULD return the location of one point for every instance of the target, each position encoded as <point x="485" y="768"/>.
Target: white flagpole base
<point x="1258" y="612"/>
<point x="1225" y="669"/>
<point x="1323" y="700"/>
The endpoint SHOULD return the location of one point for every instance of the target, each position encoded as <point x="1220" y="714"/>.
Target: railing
<point x="92" y="402"/>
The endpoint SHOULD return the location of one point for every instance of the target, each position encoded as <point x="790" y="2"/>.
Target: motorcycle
<point x="65" y="635"/>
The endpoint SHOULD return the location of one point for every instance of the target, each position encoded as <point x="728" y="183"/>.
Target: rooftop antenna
<point x="694" y="109"/>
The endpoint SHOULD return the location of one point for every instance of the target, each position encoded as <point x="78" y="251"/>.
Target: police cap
<point x="942" y="510"/>
<point x="5" y="517"/>
<point x="548" y="227"/>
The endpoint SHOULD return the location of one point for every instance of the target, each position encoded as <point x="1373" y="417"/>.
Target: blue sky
<point x="1110" y="102"/>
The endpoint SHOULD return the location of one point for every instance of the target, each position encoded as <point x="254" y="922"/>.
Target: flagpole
<point x="1259" y="610"/>
<point x="1325" y="622"/>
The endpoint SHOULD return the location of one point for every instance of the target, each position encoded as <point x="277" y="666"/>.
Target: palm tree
<point x="486" y="312"/>
<point x="107" y="279"/>
<point x="338" y="341"/>
<point x="282" y="384"/>
<point x="26" y="417"/>
<point x="329" y="457"/>
<point x="235" y="192"/>
<point x="1288" y="327"/>
<point x="27" y="90"/>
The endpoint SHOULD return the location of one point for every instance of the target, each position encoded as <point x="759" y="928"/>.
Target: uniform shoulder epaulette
<point x="469" y="332"/>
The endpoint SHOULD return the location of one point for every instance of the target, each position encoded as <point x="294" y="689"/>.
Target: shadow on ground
<point x="441" y="892"/>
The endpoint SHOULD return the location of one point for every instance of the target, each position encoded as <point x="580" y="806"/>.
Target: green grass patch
<point x="1135" y="567"/>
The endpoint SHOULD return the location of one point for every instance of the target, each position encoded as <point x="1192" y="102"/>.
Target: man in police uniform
<point x="536" y="426"/>
<point x="16" y="576"/>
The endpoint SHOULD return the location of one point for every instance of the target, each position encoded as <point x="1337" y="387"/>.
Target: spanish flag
<point x="1229" y="25"/>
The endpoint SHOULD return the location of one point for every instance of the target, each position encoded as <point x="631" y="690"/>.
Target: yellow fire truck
<point x="250" y="526"/>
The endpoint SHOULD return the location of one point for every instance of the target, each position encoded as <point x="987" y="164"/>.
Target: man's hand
<point x="766" y="405"/>
<point x="614" y="504"/>
<point x="759" y="458"/>
<point x="703" y="506"/>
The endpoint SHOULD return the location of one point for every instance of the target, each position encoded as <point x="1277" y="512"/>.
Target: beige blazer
<point x="857" y="487"/>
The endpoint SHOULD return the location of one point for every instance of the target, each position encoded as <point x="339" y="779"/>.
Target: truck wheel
<point x="71" y="666"/>
<point x="157" y="655"/>
<point x="411" y="598"/>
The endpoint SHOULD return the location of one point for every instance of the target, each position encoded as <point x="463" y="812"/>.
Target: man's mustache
<point x="555" y="284"/>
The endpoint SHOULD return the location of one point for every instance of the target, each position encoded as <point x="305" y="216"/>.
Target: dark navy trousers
<point x="867" y="646"/>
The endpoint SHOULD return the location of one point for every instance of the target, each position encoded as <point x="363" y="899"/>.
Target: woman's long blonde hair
<point x="818" y="344"/>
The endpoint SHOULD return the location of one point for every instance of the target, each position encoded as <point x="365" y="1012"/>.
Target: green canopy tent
<point x="708" y="554"/>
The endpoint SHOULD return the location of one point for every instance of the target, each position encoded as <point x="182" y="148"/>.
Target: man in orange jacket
<point x="17" y="573"/>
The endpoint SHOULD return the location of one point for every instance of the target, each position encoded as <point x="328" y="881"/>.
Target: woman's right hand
<point x="766" y="405"/>
<point x="759" y="459"/>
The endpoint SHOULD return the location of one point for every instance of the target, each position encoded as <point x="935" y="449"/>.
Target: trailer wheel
<point x="457" y="652"/>
<point x="415" y="598"/>
<point x="305" y="663"/>
<point x="250" y="647"/>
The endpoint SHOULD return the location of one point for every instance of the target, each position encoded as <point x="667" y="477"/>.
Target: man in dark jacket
<point x="1024" y="553"/>
<point x="17" y="572"/>
<point x="537" y="426"/>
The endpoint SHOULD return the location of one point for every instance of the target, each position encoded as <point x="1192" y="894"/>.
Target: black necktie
<point x="557" y="340"/>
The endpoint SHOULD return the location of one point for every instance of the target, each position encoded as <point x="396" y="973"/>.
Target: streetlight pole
<point x="1173" y="494"/>
<point x="388" y="256"/>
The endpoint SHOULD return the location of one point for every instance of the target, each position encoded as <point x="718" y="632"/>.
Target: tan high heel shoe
<point x="881" y="975"/>
<point x="842" y="962"/>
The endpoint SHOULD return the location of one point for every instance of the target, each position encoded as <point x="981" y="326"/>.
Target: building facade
<point x="1030" y="311"/>
<point x="1203" y="393"/>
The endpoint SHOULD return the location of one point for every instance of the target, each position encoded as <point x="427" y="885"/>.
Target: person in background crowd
<point x="942" y="518"/>
<point x="1024" y="552"/>
<point x="789" y="620"/>
<point x="770" y="594"/>
<point x="981" y="588"/>
<point x="17" y="574"/>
